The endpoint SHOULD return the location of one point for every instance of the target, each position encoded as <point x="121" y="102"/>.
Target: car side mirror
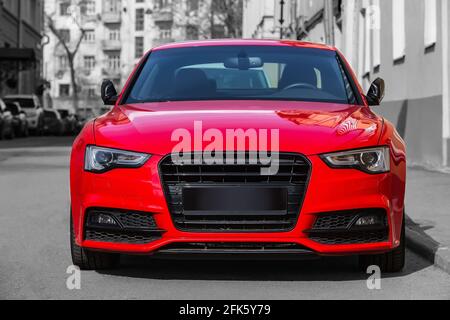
<point x="376" y="92"/>
<point x="109" y="93"/>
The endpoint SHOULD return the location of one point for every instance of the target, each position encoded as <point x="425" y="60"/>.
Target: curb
<point x="422" y="244"/>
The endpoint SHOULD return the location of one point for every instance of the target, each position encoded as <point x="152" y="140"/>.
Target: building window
<point x="375" y="23"/>
<point x="64" y="90"/>
<point x="140" y="18"/>
<point x="112" y="6"/>
<point x="114" y="62"/>
<point x="367" y="42"/>
<point x="62" y="62"/>
<point x="114" y="34"/>
<point x="90" y="7"/>
<point x="64" y="34"/>
<point x="192" y="32"/>
<point x="89" y="62"/>
<point x="91" y="92"/>
<point x="64" y="8"/>
<point x="89" y="36"/>
<point x="165" y="32"/>
<point x="399" y="29"/>
<point x="218" y="32"/>
<point x="430" y="23"/>
<point x="139" y="47"/>
<point x="193" y="5"/>
<point x="161" y="4"/>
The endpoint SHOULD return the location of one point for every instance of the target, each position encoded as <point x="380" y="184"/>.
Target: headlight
<point x="376" y="160"/>
<point x="99" y="160"/>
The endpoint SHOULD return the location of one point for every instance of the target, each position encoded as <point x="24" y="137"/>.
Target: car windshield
<point x="24" y="103"/>
<point x="13" y="108"/>
<point x="242" y="73"/>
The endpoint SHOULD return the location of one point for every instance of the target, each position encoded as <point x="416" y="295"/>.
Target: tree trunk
<point x="73" y="83"/>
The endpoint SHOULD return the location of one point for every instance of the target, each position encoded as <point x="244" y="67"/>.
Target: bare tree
<point x="229" y="13"/>
<point x="70" y="47"/>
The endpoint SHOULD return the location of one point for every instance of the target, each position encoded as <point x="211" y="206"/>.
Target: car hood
<point x="30" y="112"/>
<point x="304" y="127"/>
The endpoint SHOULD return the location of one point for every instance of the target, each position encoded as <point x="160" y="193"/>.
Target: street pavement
<point x="34" y="252"/>
<point x="428" y="205"/>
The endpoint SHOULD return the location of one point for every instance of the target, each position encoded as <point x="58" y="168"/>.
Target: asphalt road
<point x="34" y="252"/>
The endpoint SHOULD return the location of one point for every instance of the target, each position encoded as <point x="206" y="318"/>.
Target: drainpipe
<point x="445" y="84"/>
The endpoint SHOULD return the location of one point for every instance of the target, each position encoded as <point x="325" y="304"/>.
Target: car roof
<point x="244" y="42"/>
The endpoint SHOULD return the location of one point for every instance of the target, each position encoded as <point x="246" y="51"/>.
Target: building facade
<point x="404" y="42"/>
<point x="117" y="34"/>
<point x="21" y="31"/>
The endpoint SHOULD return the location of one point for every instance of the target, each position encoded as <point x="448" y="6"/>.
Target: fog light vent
<point x="368" y="221"/>
<point x="103" y="219"/>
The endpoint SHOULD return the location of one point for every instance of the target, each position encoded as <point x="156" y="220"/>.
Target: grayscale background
<point x="60" y="50"/>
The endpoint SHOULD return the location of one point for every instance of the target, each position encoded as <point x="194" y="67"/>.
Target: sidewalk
<point x="428" y="210"/>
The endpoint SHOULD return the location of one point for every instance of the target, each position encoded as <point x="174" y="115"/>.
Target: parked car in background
<point x="83" y="116"/>
<point x="33" y="109"/>
<point x="69" y="121"/>
<point x="53" y="123"/>
<point x="6" y="122"/>
<point x="104" y="110"/>
<point x="20" y="122"/>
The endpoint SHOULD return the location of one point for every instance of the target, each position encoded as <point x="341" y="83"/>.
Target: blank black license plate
<point x="235" y="200"/>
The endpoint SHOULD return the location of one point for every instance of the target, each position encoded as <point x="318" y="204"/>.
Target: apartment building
<point x="99" y="50"/>
<point x="21" y="30"/>
<point x="117" y="34"/>
<point x="259" y="19"/>
<point x="403" y="42"/>
<point x="153" y="23"/>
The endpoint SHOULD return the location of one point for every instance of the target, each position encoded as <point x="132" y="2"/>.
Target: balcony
<point x="162" y="16"/>
<point x="112" y="17"/>
<point x="111" y="45"/>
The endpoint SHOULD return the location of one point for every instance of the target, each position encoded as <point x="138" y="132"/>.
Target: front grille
<point x="136" y="220"/>
<point x="293" y="174"/>
<point x="131" y="227"/>
<point x="235" y="248"/>
<point x="339" y="228"/>
<point x="358" y="237"/>
<point x="334" y="221"/>
<point x="119" y="237"/>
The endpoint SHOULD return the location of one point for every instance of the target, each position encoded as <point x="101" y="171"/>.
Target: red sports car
<point x="239" y="149"/>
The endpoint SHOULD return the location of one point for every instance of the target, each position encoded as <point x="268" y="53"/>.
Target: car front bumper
<point x="329" y="191"/>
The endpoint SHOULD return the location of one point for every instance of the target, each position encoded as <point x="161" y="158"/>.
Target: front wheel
<point x="391" y="262"/>
<point x="89" y="260"/>
<point x="26" y="131"/>
<point x="12" y="134"/>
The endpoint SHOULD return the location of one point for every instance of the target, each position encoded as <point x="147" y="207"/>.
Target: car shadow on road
<point x="324" y="269"/>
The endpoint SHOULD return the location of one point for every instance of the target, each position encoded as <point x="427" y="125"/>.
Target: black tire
<point x="391" y="262"/>
<point x="40" y="128"/>
<point x="12" y="134"/>
<point x="90" y="260"/>
<point x="26" y="132"/>
<point x="2" y="134"/>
